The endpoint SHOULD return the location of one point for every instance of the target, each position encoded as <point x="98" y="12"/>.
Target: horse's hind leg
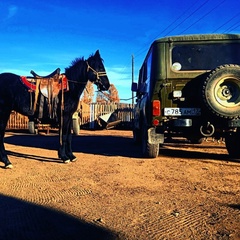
<point x="3" y="155"/>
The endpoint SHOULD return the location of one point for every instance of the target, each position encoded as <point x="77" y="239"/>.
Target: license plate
<point x="182" y="111"/>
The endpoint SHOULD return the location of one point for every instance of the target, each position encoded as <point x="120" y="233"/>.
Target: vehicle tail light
<point x="156" y="108"/>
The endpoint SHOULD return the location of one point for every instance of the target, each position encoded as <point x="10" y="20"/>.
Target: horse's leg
<point x="62" y="149"/>
<point x="3" y="154"/>
<point x="65" y="150"/>
<point x="63" y="137"/>
<point x="69" y="143"/>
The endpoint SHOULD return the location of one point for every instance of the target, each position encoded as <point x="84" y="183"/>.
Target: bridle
<point x="98" y="74"/>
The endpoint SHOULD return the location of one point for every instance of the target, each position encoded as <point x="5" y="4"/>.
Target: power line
<point x="171" y="24"/>
<point x="179" y="17"/>
<point x="232" y="27"/>
<point x="226" y="22"/>
<point x="188" y="17"/>
<point x="143" y="49"/>
<point x="203" y="16"/>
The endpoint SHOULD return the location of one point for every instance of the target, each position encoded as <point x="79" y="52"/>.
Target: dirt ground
<point x="188" y="192"/>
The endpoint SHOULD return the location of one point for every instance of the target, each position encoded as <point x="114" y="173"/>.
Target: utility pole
<point x="132" y="78"/>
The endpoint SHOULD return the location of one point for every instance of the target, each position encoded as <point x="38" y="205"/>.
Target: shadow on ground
<point x="110" y="145"/>
<point x="93" y="144"/>
<point x="20" y="220"/>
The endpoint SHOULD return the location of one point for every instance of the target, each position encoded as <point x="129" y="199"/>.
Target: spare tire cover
<point x="221" y="91"/>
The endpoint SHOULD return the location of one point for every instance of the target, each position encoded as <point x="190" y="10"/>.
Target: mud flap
<point x="155" y="138"/>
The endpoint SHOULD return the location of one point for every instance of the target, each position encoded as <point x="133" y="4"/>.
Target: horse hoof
<point x="9" y="166"/>
<point x="74" y="160"/>
<point x="66" y="161"/>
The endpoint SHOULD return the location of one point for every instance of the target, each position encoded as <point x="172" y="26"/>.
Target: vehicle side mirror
<point x="134" y="87"/>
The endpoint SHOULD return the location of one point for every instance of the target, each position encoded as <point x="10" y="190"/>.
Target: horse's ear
<point x="97" y="53"/>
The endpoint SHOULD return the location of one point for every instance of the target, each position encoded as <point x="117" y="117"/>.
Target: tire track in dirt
<point x="188" y="192"/>
<point x="43" y="191"/>
<point x="176" y="224"/>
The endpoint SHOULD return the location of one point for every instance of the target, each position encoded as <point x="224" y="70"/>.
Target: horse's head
<point x="96" y="72"/>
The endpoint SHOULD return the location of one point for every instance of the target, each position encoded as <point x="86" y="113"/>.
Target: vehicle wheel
<point x="31" y="127"/>
<point x="221" y="91"/>
<point x="196" y="140"/>
<point x="232" y="142"/>
<point x="76" y="126"/>
<point x="148" y="150"/>
<point x="136" y="136"/>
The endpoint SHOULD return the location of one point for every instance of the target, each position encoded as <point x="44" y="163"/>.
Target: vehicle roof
<point x="198" y="37"/>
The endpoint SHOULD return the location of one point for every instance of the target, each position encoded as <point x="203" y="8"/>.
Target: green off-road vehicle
<point x="189" y="86"/>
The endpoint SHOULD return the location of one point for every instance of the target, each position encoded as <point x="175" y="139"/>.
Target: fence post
<point x="91" y="123"/>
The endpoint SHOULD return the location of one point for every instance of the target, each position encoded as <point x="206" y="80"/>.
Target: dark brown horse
<point x="14" y="95"/>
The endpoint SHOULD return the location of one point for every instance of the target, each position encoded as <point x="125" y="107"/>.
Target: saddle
<point x="49" y="86"/>
<point x="51" y="75"/>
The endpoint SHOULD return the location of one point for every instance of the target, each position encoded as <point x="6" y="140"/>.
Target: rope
<point x="126" y="98"/>
<point x="77" y="82"/>
<point x="122" y="99"/>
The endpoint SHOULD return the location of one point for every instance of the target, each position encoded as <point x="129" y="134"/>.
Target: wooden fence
<point x="17" y="121"/>
<point x="89" y="115"/>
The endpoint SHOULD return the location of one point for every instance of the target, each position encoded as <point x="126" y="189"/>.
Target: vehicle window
<point x="204" y="56"/>
<point x="141" y="80"/>
<point x="148" y="75"/>
<point x="144" y="76"/>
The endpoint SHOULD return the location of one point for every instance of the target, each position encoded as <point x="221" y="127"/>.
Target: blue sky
<point x="43" y="35"/>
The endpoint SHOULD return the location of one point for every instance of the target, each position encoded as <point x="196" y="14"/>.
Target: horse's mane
<point x="76" y="61"/>
<point x="75" y="69"/>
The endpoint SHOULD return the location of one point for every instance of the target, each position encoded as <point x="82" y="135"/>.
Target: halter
<point x="98" y="74"/>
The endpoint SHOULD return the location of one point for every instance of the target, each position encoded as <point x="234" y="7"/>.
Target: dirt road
<point x="188" y="192"/>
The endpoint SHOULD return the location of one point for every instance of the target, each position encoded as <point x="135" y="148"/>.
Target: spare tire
<point x="221" y="91"/>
